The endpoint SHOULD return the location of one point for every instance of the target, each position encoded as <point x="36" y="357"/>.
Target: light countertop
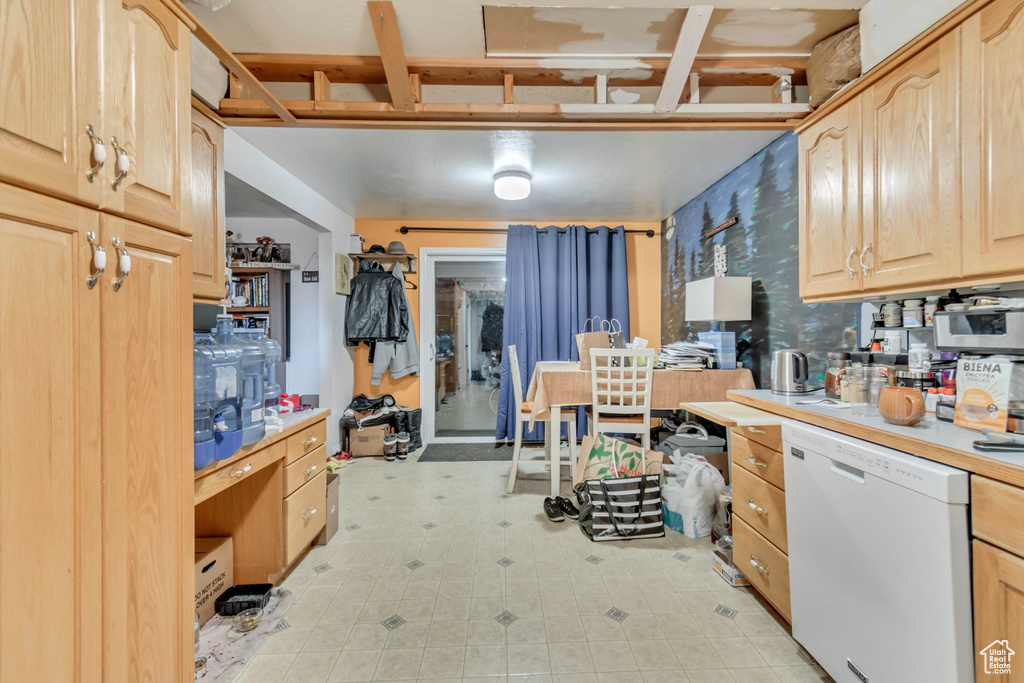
<point x="931" y="439"/>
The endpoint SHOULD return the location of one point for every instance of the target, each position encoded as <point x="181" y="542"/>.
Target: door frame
<point x="429" y="257"/>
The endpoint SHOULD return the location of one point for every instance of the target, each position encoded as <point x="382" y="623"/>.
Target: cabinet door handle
<point x="759" y="567"/>
<point x="849" y="257"/>
<point x="309" y="469"/>
<point x="310" y="441"/>
<point x="99" y="259"/>
<point x="863" y="266"/>
<point x="99" y="153"/>
<point x="753" y="506"/>
<point x="312" y="511"/>
<point x="758" y="431"/>
<point x="242" y="472"/>
<point x="124" y="262"/>
<point x="755" y="462"/>
<point x="123" y="164"/>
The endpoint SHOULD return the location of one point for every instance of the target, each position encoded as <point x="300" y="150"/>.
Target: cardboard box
<point x="369" y="441"/>
<point x="720" y="461"/>
<point x="214" y="573"/>
<point x="333" y="482"/>
<point x="727" y="570"/>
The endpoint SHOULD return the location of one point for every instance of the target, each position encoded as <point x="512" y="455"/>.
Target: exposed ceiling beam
<point x="761" y="71"/>
<point x="389" y="41"/>
<point x="474" y="124"/>
<point x="681" y="64"/>
<point x="237" y="69"/>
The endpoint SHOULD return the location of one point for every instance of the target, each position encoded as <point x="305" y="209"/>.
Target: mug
<point x="902" y="406"/>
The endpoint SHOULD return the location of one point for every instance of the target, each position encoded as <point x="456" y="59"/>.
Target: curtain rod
<point x="405" y="230"/>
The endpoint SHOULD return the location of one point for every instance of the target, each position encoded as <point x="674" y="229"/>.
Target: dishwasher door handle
<point x="844" y="470"/>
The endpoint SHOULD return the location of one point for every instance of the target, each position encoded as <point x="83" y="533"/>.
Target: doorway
<point x="461" y="309"/>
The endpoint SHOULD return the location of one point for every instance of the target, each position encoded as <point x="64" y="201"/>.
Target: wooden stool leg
<point x="516" y="448"/>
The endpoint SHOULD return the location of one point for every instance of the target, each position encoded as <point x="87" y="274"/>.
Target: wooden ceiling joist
<point x="718" y="71"/>
<point x="389" y="41"/>
<point x="681" y="65"/>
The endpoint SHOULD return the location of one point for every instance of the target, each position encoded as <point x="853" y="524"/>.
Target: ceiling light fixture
<point x="512" y="185"/>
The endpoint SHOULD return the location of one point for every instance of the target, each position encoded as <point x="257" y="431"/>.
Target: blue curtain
<point x="554" y="280"/>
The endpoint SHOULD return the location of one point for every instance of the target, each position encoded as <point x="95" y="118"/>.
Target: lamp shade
<point x="718" y="298"/>
<point x="512" y="185"/>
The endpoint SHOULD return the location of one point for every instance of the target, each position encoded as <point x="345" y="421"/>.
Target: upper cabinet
<point x="941" y="152"/>
<point x="829" y="168"/>
<point x="50" y="56"/>
<point x="207" y="208"/>
<point x="95" y="105"/>
<point x="993" y="133"/>
<point x="911" y="218"/>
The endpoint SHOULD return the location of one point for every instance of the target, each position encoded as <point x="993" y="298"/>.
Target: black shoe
<point x="567" y="507"/>
<point x="553" y="510"/>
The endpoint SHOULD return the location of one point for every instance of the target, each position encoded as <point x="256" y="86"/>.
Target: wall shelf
<point x="406" y="261"/>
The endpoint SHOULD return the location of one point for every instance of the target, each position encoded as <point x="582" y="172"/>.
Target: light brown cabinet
<point x="207" y="143"/>
<point x="86" y="81"/>
<point x="993" y="140"/>
<point x="911" y="213"/>
<point x="998" y="604"/>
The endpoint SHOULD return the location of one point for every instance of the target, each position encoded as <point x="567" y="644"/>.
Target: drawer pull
<point x="759" y="567"/>
<point x="242" y="472"/>
<point x="312" y="511"/>
<point x="307" y="471"/>
<point x="755" y="462"/>
<point x="310" y="441"/>
<point x="758" y="431"/>
<point x="760" y="511"/>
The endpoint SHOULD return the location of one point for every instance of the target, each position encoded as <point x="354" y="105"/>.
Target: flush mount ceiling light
<point x="512" y="185"/>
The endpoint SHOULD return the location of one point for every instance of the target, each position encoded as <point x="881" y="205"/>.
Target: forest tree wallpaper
<point x="762" y="193"/>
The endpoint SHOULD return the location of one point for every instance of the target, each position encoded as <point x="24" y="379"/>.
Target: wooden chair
<point x="522" y="417"/>
<point x="620" y="385"/>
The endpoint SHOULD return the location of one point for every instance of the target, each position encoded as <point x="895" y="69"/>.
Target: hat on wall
<point x="396" y="247"/>
<point x="376" y="249"/>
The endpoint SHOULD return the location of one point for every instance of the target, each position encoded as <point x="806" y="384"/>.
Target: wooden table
<point x="269" y="497"/>
<point x="559" y="384"/>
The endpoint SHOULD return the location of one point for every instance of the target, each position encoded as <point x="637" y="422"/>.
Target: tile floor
<point x="437" y="575"/>
<point x="467" y="412"/>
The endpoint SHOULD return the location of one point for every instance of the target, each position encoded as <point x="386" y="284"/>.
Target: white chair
<point x="524" y="408"/>
<point x="620" y="385"/>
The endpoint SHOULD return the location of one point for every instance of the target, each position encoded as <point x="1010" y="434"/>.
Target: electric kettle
<point x="789" y="372"/>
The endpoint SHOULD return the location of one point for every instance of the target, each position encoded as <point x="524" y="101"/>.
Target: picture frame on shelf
<point x="342" y="274"/>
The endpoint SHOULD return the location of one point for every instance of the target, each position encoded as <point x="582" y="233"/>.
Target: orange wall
<point x="643" y="256"/>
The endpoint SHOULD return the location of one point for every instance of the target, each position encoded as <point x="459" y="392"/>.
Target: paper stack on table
<point x="682" y="355"/>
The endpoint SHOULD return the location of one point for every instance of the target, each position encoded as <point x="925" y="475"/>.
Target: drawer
<point x="996" y="511"/>
<point x="766" y="435"/>
<point x="217" y="481"/>
<point x="759" y="459"/>
<point x="761" y="505"/>
<point x="302" y="442"/>
<point x="772" y="580"/>
<point x="304" y="515"/>
<point x="304" y="469"/>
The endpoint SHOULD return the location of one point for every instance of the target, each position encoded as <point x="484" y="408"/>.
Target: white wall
<point x="334" y="227"/>
<point x="303" y="376"/>
<point x="888" y="25"/>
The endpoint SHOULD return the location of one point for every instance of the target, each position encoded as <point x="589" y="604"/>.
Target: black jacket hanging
<point x="376" y="309"/>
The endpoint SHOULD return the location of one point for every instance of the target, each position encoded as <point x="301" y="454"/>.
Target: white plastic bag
<point x="690" y="505"/>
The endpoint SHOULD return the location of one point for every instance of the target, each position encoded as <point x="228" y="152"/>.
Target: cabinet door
<point x="911" y="176"/>
<point x="830" y="204"/>
<point x="152" y="114"/>
<point x="998" y="610"/>
<point x="50" y="451"/>
<point x="147" y="455"/>
<point x="993" y="134"/>
<point x="49" y="94"/>
<point x="207" y="208"/>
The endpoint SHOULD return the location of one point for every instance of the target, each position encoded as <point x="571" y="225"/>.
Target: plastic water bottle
<point x="205" y="401"/>
<point x="271" y="389"/>
<point x="226" y="407"/>
<point x="252" y="359"/>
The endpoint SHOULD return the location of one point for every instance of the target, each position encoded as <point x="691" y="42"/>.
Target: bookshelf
<point x="270" y="286"/>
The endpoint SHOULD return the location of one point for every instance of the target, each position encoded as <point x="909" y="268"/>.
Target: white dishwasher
<point x="879" y="564"/>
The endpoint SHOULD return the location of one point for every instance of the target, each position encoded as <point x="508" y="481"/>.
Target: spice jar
<point x="835" y="365"/>
<point x="913" y="313"/>
<point x="892" y="314"/>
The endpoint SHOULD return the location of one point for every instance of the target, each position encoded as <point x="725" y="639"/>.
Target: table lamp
<point x="719" y="299"/>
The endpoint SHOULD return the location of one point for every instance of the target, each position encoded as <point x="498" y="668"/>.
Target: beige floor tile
<point x="696" y="653"/>
<point x="311" y="667"/>
<point x="451" y="608"/>
<point x="339" y="612"/>
<point x="716" y="626"/>
<point x="564" y="629"/>
<point x="799" y="674"/>
<point x="756" y="623"/>
<point x="267" y="669"/>
<point x="525" y="605"/>
<point x="642" y="627"/>
<point x="588" y="585"/>
<point x="306" y="614"/>
<point x="574" y="678"/>
<point x="522" y="586"/>
<point x="756" y="675"/>
<point x="412" y="634"/>
<point x="447" y="633"/>
<point x="288" y="641"/>
<point x="325" y="638"/>
<point x="485" y="660"/>
<point x="374" y="612"/>
<point x="528" y="658"/>
<point x="397" y="665"/>
<point x="602" y="628"/>
<point x="698" y="601"/>
<point x="571" y="657"/>
<point x="526" y="630"/>
<point x="354" y="666"/>
<point x="654" y="655"/>
<point x="559" y="605"/>
<point x="613" y="655"/>
<point x="709" y="676"/>
<point x="486" y="608"/>
<point x="778" y="650"/>
<point x="737" y="652"/>
<point x="416" y="610"/>
<point x="665" y="676"/>
<point x="485" y="632"/>
<point x="442" y="662"/>
<point x="366" y="637"/>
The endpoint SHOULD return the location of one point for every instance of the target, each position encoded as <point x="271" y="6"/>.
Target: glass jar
<point x="835" y="364"/>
